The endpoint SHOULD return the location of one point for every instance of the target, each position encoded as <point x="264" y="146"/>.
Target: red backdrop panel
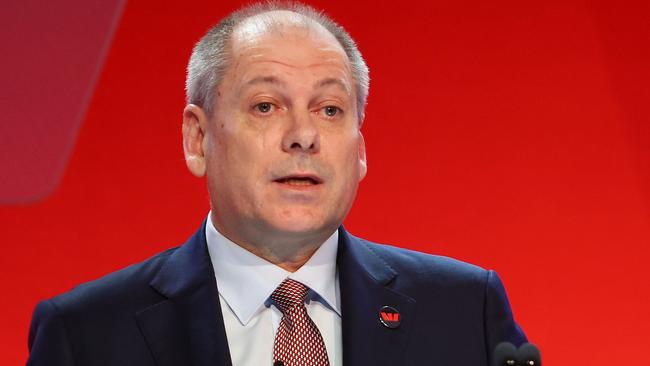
<point x="509" y="134"/>
<point x="52" y="54"/>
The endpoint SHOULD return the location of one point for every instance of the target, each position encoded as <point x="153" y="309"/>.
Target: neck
<point x="289" y="251"/>
<point x="289" y="257"/>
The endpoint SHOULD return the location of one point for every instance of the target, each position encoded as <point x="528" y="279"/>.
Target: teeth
<point x="298" y="182"/>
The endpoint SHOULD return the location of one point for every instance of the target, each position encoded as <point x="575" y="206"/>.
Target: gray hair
<point x="209" y="59"/>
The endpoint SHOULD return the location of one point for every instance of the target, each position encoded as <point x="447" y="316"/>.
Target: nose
<point x="301" y="135"/>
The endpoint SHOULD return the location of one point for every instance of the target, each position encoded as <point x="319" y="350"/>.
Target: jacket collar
<point x="188" y="325"/>
<point x="367" y="285"/>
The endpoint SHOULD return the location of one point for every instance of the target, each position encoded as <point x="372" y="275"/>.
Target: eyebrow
<point x="264" y="80"/>
<point x="332" y="81"/>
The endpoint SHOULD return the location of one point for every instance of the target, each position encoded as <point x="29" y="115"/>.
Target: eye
<point x="264" y="107"/>
<point x="331" y="111"/>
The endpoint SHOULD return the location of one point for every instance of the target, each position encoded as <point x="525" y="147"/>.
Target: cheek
<point x="244" y="155"/>
<point x="346" y="160"/>
<point x="228" y="137"/>
<point x="352" y="156"/>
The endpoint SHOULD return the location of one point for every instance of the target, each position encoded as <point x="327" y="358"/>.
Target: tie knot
<point x="289" y="294"/>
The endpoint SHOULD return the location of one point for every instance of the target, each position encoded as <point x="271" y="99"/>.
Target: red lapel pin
<point x="389" y="317"/>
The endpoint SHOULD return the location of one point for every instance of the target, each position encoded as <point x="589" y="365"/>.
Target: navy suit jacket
<point x="165" y="311"/>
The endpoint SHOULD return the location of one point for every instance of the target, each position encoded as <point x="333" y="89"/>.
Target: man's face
<point x="283" y="151"/>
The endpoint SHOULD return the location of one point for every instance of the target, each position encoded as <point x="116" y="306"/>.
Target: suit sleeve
<point x="48" y="340"/>
<point x="500" y="325"/>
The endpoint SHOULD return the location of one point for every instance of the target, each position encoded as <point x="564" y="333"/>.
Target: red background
<point x="510" y="134"/>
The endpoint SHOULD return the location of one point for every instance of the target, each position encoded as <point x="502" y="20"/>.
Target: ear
<point x="194" y="124"/>
<point x="363" y="164"/>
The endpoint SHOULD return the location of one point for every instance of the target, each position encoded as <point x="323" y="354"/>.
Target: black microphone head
<point x="505" y="354"/>
<point x="529" y="355"/>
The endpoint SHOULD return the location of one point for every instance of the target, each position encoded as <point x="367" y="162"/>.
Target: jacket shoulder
<point x="421" y="267"/>
<point x="126" y="289"/>
<point x="88" y="323"/>
<point x="456" y="294"/>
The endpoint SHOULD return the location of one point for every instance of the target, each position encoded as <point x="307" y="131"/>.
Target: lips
<point x="299" y="180"/>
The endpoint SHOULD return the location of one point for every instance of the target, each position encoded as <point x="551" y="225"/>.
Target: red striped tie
<point x="298" y="341"/>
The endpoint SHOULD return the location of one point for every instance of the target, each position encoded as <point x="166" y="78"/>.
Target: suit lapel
<point x="187" y="327"/>
<point x="365" y="281"/>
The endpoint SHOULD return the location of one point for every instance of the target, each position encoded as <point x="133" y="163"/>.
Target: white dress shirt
<point x="246" y="282"/>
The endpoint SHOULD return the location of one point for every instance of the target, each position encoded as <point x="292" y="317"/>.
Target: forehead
<point x="287" y="39"/>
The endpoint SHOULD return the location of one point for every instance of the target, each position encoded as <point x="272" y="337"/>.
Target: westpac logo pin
<point x="389" y="317"/>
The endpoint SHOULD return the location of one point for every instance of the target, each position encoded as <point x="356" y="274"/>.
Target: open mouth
<point x="299" y="181"/>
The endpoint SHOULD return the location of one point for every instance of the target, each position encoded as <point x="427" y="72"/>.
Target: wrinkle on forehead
<point x="254" y="45"/>
<point x="253" y="70"/>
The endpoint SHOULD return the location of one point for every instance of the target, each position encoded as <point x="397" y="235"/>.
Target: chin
<point x="299" y="227"/>
<point x="302" y="223"/>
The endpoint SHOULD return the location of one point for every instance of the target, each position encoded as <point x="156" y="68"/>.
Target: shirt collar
<point x="246" y="281"/>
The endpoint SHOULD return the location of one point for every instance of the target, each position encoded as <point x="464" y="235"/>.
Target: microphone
<point x="529" y="355"/>
<point x="278" y="363"/>
<point x="505" y="354"/>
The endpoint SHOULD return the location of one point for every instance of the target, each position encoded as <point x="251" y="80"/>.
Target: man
<point x="276" y="97"/>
